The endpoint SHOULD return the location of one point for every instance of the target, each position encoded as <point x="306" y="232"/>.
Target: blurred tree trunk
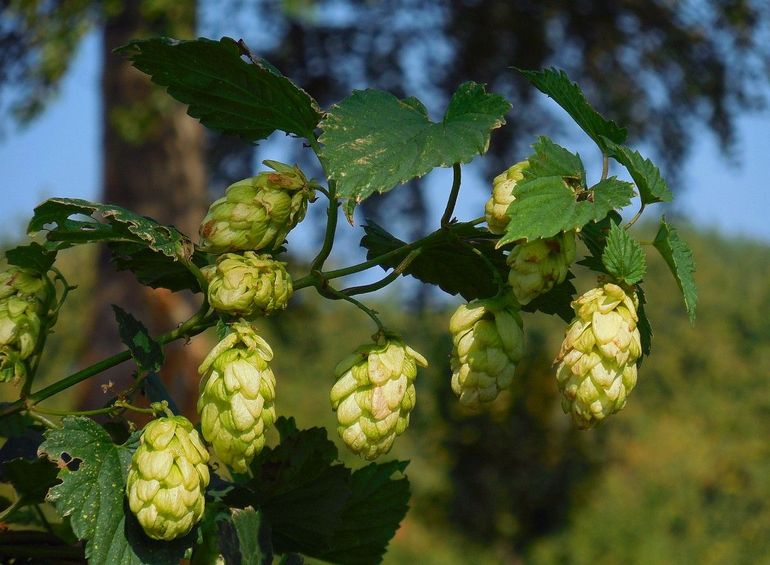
<point x="153" y="159"/>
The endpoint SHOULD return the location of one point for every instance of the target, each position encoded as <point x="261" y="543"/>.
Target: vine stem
<point x="450" y="205"/>
<point x="331" y="229"/>
<point x="360" y="305"/>
<point x="638" y="215"/>
<point x="18" y="503"/>
<point x="195" y="325"/>
<point x="385" y="281"/>
<point x="605" y="165"/>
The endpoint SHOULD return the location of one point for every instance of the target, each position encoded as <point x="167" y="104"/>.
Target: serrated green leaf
<point x="33" y="256"/>
<point x="253" y="536"/>
<point x="30" y="478"/>
<point x="371" y="515"/>
<point x="155" y="269"/>
<point x="550" y="160"/>
<point x="373" y="141"/>
<point x="147" y="352"/>
<point x="545" y="206"/>
<point x="556" y="301"/>
<point x="623" y="256"/>
<point x="446" y="261"/>
<point x="93" y="496"/>
<point x="299" y="488"/>
<point x="652" y="187"/>
<point x="680" y="261"/>
<point x="556" y="84"/>
<point x="104" y="222"/>
<point x="226" y="93"/>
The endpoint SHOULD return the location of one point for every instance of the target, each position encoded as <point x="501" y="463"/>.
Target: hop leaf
<point x="597" y="361"/>
<point x="237" y="394"/>
<point x="374" y="395"/>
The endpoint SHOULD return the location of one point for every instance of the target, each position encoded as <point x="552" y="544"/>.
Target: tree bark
<point x="153" y="159"/>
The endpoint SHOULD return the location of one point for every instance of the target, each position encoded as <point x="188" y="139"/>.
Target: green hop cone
<point x="374" y="394"/>
<point x="248" y="285"/>
<point x="488" y="340"/>
<point x="597" y="361"/>
<point x="24" y="298"/>
<point x="496" y="209"/>
<point x="237" y="394"/>
<point x="257" y="213"/>
<point x="167" y="478"/>
<point x="538" y="265"/>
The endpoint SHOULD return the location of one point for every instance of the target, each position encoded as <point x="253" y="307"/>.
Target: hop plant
<point x="24" y="298"/>
<point x="167" y="478"/>
<point x="248" y="285"/>
<point x="496" y="209"/>
<point x="597" y="361"/>
<point x="488" y="342"/>
<point x="374" y="394"/>
<point x="537" y="265"/>
<point x="257" y="213"/>
<point x="237" y="394"/>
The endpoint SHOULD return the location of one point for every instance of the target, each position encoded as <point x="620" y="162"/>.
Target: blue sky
<point x="58" y="155"/>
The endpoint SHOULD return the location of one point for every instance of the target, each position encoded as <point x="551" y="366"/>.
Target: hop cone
<point x="374" y="395"/>
<point x="597" y="362"/>
<point x="236" y="399"/>
<point x="24" y="298"/>
<point x="538" y="265"/>
<point x="488" y="342"/>
<point x="167" y="478"/>
<point x="258" y="212"/>
<point x="496" y="209"/>
<point x="249" y="284"/>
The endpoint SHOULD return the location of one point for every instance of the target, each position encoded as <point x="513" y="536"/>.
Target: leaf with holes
<point x="226" y="93"/>
<point x="93" y="222"/>
<point x="93" y="473"/>
<point x="373" y="141"/>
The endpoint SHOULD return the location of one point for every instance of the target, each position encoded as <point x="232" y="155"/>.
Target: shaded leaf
<point x="373" y="141"/>
<point x="644" y="326"/>
<point x="556" y="301"/>
<point x="680" y="261"/>
<point x="226" y="93"/>
<point x="371" y="515"/>
<point x="155" y="269"/>
<point x="33" y="256"/>
<point x="30" y="478"/>
<point x="447" y="261"/>
<point x="556" y="84"/>
<point x="147" y="352"/>
<point x="253" y="536"/>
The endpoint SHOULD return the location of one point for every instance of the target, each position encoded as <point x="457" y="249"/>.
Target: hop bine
<point x="597" y="361"/>
<point x="537" y="266"/>
<point x="25" y="297"/>
<point x="248" y="285"/>
<point x="167" y="478"/>
<point x="237" y="394"/>
<point x="374" y="394"/>
<point x="488" y="340"/>
<point x="496" y="209"/>
<point x="257" y="213"/>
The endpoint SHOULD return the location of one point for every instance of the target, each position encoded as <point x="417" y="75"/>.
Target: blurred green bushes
<point x="682" y="474"/>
